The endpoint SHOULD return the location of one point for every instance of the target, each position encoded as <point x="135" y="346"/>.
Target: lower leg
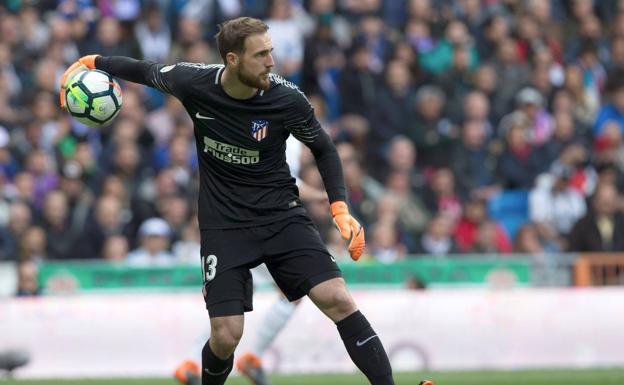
<point x="365" y="349"/>
<point x="362" y="343"/>
<point x="215" y="369"/>
<point x="218" y="352"/>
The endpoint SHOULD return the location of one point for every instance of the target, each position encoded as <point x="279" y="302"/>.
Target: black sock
<point x="365" y="349"/>
<point x="214" y="370"/>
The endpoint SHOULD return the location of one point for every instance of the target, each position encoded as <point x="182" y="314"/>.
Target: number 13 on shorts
<point x="209" y="267"/>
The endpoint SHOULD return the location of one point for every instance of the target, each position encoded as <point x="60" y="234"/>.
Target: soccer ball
<point x="93" y="97"/>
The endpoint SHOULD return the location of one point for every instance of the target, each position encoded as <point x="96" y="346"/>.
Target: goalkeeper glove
<point x="349" y="229"/>
<point x="85" y="63"/>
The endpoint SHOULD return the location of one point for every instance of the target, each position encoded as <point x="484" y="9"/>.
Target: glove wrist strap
<point x="338" y="208"/>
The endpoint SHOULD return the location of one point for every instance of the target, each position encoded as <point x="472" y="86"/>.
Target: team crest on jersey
<point x="259" y="129"/>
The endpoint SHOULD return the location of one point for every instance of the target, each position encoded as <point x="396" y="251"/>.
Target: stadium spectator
<point x="419" y="36"/>
<point x="289" y="31"/>
<point x="384" y="243"/>
<point x="432" y="133"/>
<point x="477" y="107"/>
<point x="45" y="179"/>
<point x="496" y="27"/>
<point x="445" y="52"/>
<point x="404" y="52"/>
<point x="530" y="103"/>
<point x="176" y="212"/>
<point x="530" y="241"/>
<point x="32" y="245"/>
<point x="389" y="213"/>
<point x="393" y="106"/>
<point x="532" y="38"/>
<point x="485" y="80"/>
<point x="511" y="73"/>
<point x="438" y="239"/>
<point x="467" y="230"/>
<point x="519" y="163"/>
<point x="152" y="34"/>
<point x="105" y="220"/>
<point x="602" y="227"/>
<point x="414" y="213"/>
<point x="547" y="74"/>
<point x="584" y="175"/>
<point x="27" y="280"/>
<point x="440" y="195"/>
<point x="154" y="239"/>
<point x="79" y="197"/>
<point x="401" y="156"/>
<point x="473" y="162"/>
<point x="154" y="195"/>
<point x="585" y="102"/>
<point x="181" y="159"/>
<point x="188" y="33"/>
<point x="554" y="203"/>
<point x="55" y="223"/>
<point x="109" y="40"/>
<point x="565" y="133"/>
<point x="323" y="60"/>
<point x="20" y="219"/>
<point x="187" y="248"/>
<point x="24" y="188"/>
<point x="612" y="173"/>
<point x="115" y="248"/>
<point x="372" y="32"/>
<point x="488" y="240"/>
<point x="358" y="81"/>
<point x="456" y="80"/>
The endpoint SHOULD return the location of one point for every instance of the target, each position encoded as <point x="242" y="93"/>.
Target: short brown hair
<point x="232" y="34"/>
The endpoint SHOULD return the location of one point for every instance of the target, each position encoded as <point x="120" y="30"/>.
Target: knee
<point x="333" y="298"/>
<point x="342" y="302"/>
<point x="337" y="303"/>
<point x="225" y="337"/>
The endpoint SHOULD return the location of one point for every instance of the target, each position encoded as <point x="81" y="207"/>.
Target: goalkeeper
<point x="249" y="209"/>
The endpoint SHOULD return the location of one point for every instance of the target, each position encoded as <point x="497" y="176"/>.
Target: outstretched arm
<point x="170" y="79"/>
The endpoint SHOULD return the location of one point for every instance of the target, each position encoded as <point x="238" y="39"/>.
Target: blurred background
<point x="482" y="148"/>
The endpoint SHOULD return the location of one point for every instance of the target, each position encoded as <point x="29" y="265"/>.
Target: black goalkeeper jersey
<point x="244" y="178"/>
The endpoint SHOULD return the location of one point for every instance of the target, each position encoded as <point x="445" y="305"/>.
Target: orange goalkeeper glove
<point x="349" y="229"/>
<point x="83" y="64"/>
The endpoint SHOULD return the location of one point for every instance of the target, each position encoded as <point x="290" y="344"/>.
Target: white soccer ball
<point x="93" y="98"/>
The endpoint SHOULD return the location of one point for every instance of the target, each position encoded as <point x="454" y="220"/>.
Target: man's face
<point x="256" y="61"/>
<point x="605" y="200"/>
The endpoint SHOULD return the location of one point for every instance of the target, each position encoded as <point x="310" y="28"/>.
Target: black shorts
<point x="292" y="250"/>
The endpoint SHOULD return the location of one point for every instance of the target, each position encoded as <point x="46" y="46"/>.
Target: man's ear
<point x="231" y="58"/>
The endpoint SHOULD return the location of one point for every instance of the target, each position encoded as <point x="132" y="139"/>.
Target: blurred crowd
<point x="442" y="112"/>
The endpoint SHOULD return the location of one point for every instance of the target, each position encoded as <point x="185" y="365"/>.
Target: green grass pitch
<point x="533" y="377"/>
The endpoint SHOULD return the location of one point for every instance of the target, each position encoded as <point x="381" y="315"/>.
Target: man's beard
<point x="253" y="81"/>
